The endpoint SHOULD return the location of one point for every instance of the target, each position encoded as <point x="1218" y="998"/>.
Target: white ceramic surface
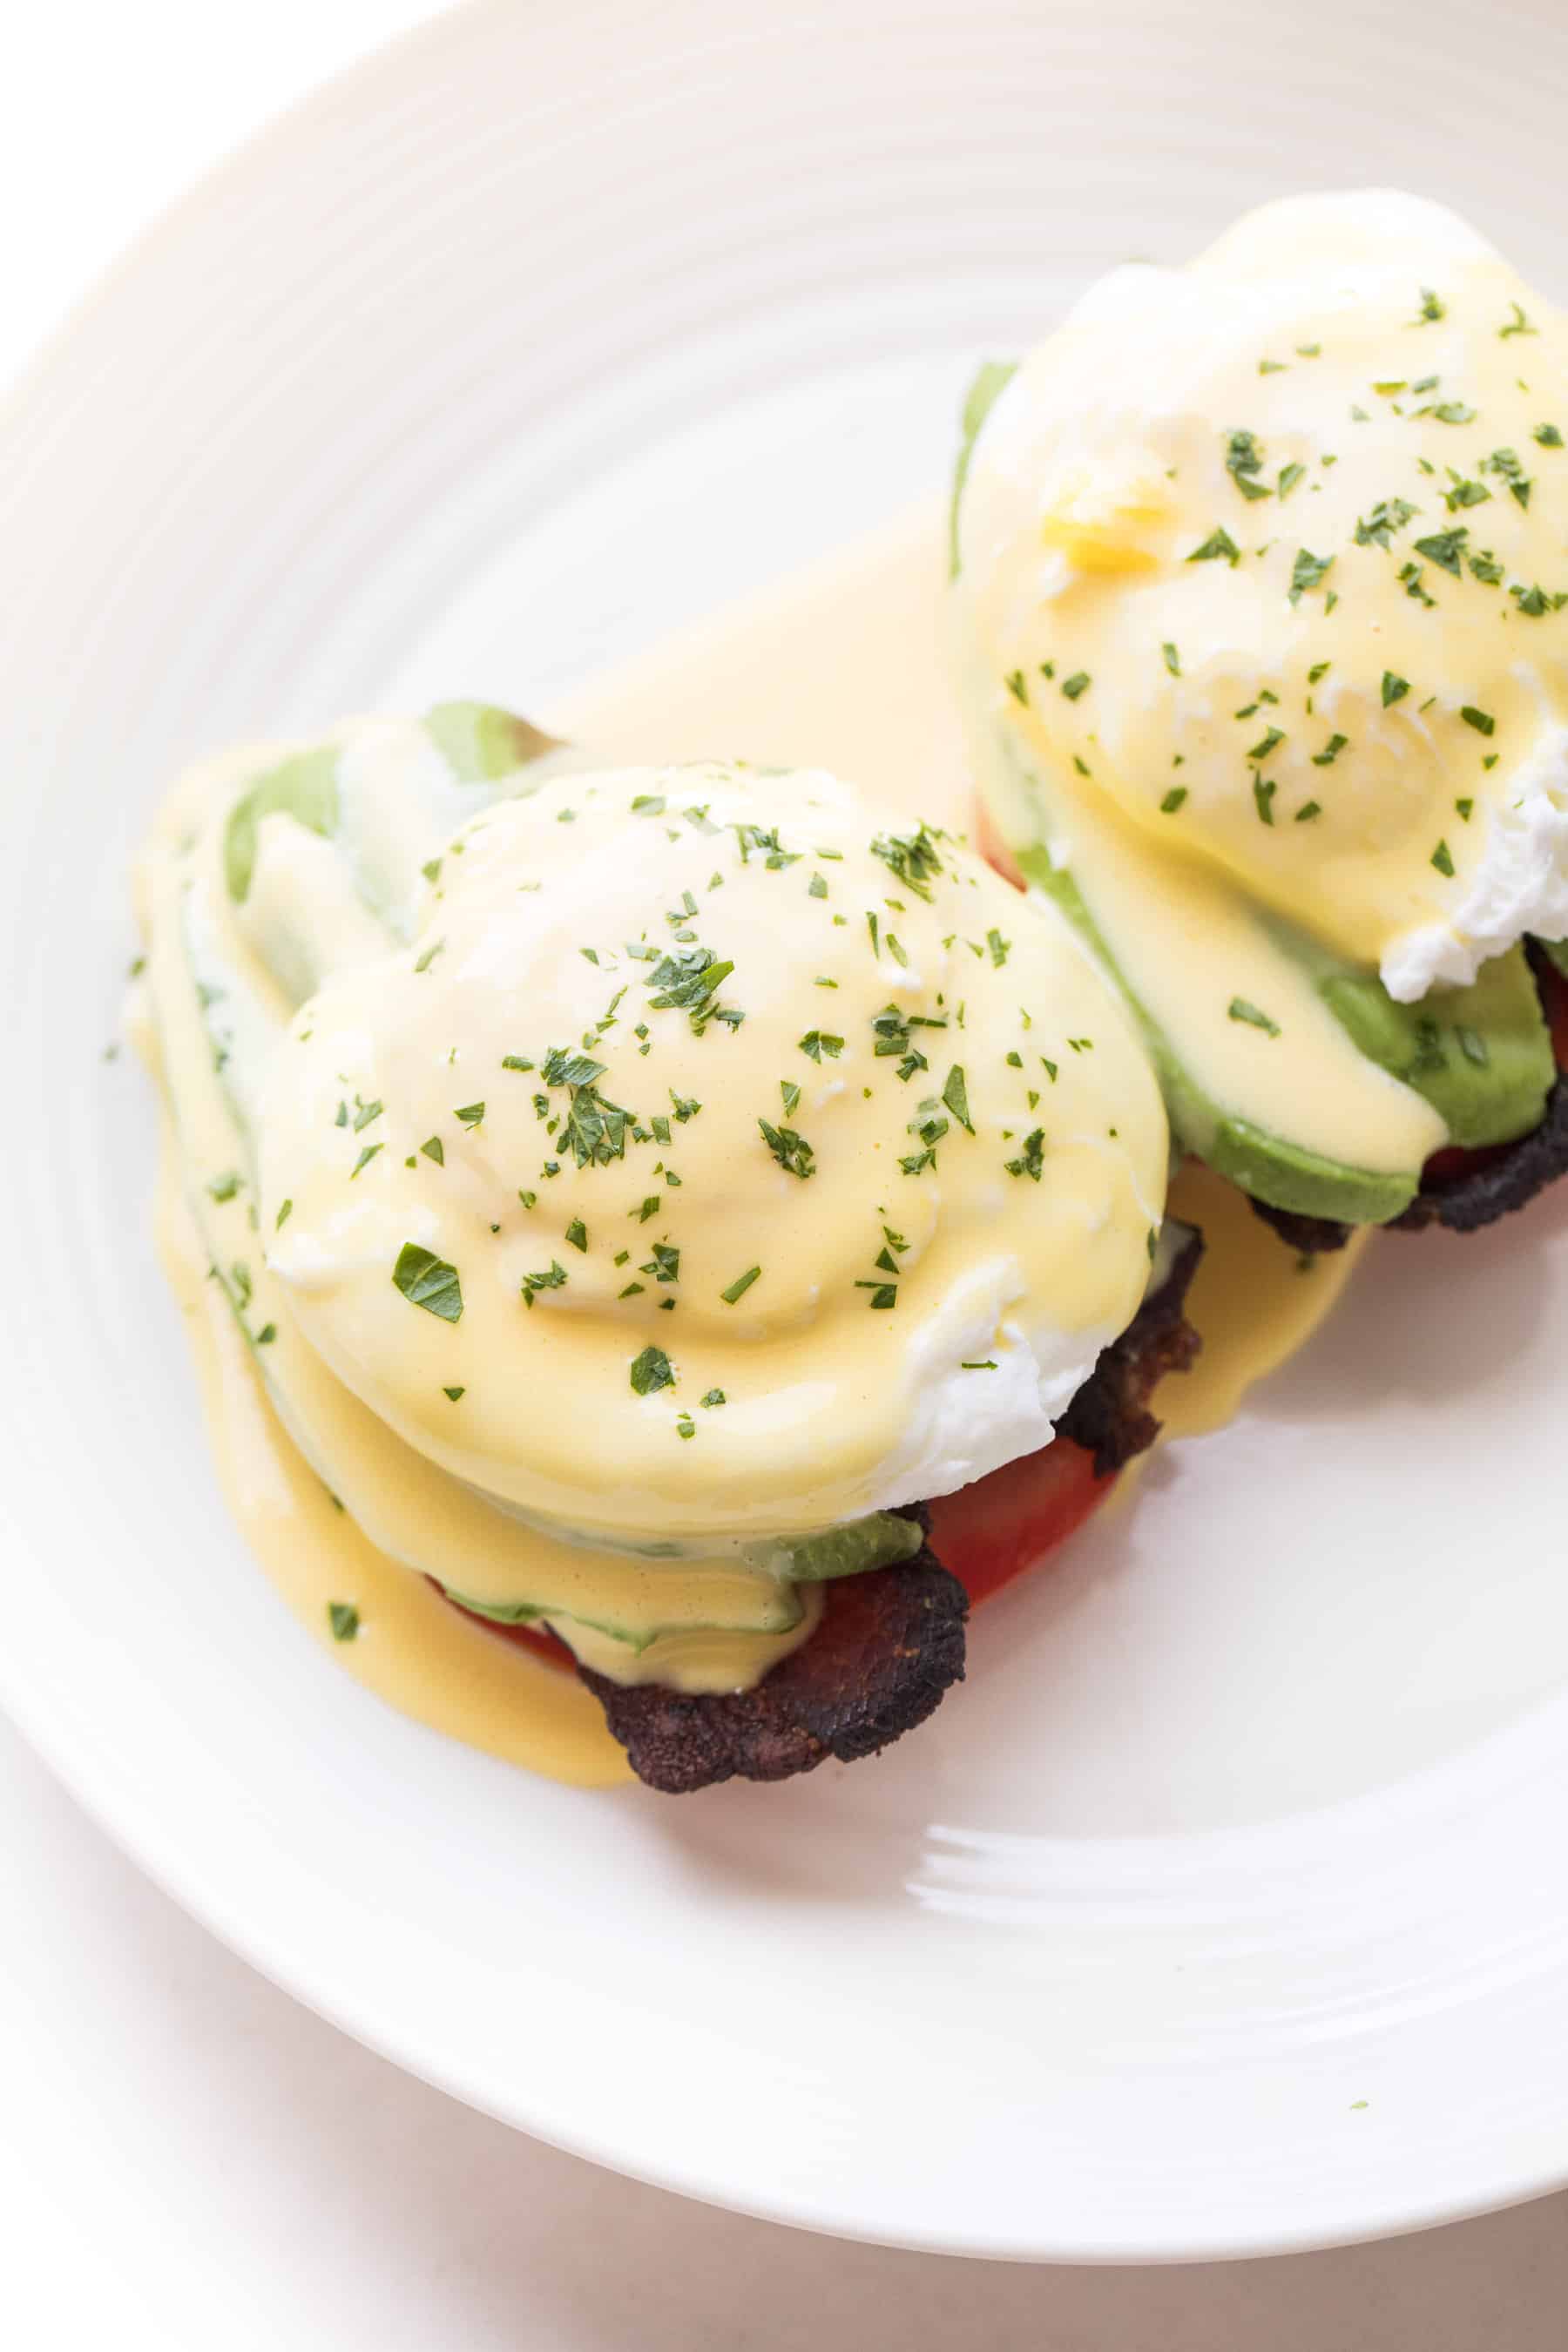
<point x="539" y="333"/>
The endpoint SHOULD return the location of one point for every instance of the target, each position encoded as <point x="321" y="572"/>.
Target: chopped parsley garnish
<point x="1173" y="799"/>
<point x="791" y="1151"/>
<point x="1464" y="492"/>
<point x="817" y="1042"/>
<point x="648" y="804"/>
<point x="928" y="1127"/>
<point x="1451" y="411"/>
<point x="577" y="1234"/>
<point x="1394" y="689"/>
<point x="817" y="886"/>
<point x="914" y="858"/>
<point x="365" y="1112"/>
<point x="955" y="1095"/>
<point x="553" y="1278"/>
<point x="1218" y="545"/>
<point x="433" y="1149"/>
<point x="689" y="979"/>
<point x="268" y="1333"/>
<point x="1331" y="751"/>
<point x="883" y="1294"/>
<point x="713" y="1397"/>
<point x="684" y="1425"/>
<point x="454" y="1393"/>
<point x="366" y="1156"/>
<point x="651" y="1371"/>
<point x="224" y="1188"/>
<point x="1171" y="658"/>
<point x="1031" y="1156"/>
<point x="594" y="1130"/>
<point x="1243" y="463"/>
<point x="1431" y="308"/>
<point x="1307" y="572"/>
<point x="1308" y="811"/>
<point x="343" y="1619"/>
<point x="1536" y="601"/>
<point x="1270" y="742"/>
<point x="1482" y="721"/>
<point x="1465" y="807"/>
<point x="790" y="1094"/>
<point x="284" y="1213"/>
<point x="1441" y="858"/>
<point x="1289" y="478"/>
<point x="740" y="1286"/>
<point x="1444" y="548"/>
<point x="1263" y="791"/>
<point x="1518" y="325"/>
<point x="1001" y="949"/>
<point x="1389" y="515"/>
<point x="1016" y="685"/>
<point x="1548" y="435"/>
<point x="423" y="962"/>
<point x="1079" y="682"/>
<point x="1241" y="1010"/>
<point x="428" y="1281"/>
<point x="470" y="1114"/>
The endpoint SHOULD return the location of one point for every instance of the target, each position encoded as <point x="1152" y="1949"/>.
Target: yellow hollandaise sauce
<point x="366" y="1442"/>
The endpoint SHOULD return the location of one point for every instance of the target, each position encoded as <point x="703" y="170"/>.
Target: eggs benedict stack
<point x="643" y="1190"/>
<point x="1261" y="604"/>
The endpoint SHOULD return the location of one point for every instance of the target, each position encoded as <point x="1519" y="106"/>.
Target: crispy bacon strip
<point x="1307" y="1235"/>
<point x="888" y="1644"/>
<point x="1110" y="1416"/>
<point x="1498" y="1181"/>
<point x="1485" y="1186"/>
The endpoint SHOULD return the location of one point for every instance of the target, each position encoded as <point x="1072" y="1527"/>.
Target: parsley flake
<point x="791" y="1151"/>
<point x="428" y="1281"/>
<point x="651" y="1371"/>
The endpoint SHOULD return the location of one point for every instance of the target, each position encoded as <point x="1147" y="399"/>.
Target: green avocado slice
<point x="991" y="380"/>
<point x="305" y="788"/>
<point x="877" y="1541"/>
<point x="1481" y="1055"/>
<point x="480" y="742"/>
<point x="1266" y="1165"/>
<point x="778" y="1612"/>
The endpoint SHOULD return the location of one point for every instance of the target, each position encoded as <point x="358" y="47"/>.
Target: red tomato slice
<point x="542" y="1644"/>
<point x="1002" y="1525"/>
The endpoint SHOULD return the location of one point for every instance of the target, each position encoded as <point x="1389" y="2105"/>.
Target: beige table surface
<point x="190" y="2160"/>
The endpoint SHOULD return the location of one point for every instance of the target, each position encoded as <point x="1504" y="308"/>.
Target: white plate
<point x="1226" y="1907"/>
